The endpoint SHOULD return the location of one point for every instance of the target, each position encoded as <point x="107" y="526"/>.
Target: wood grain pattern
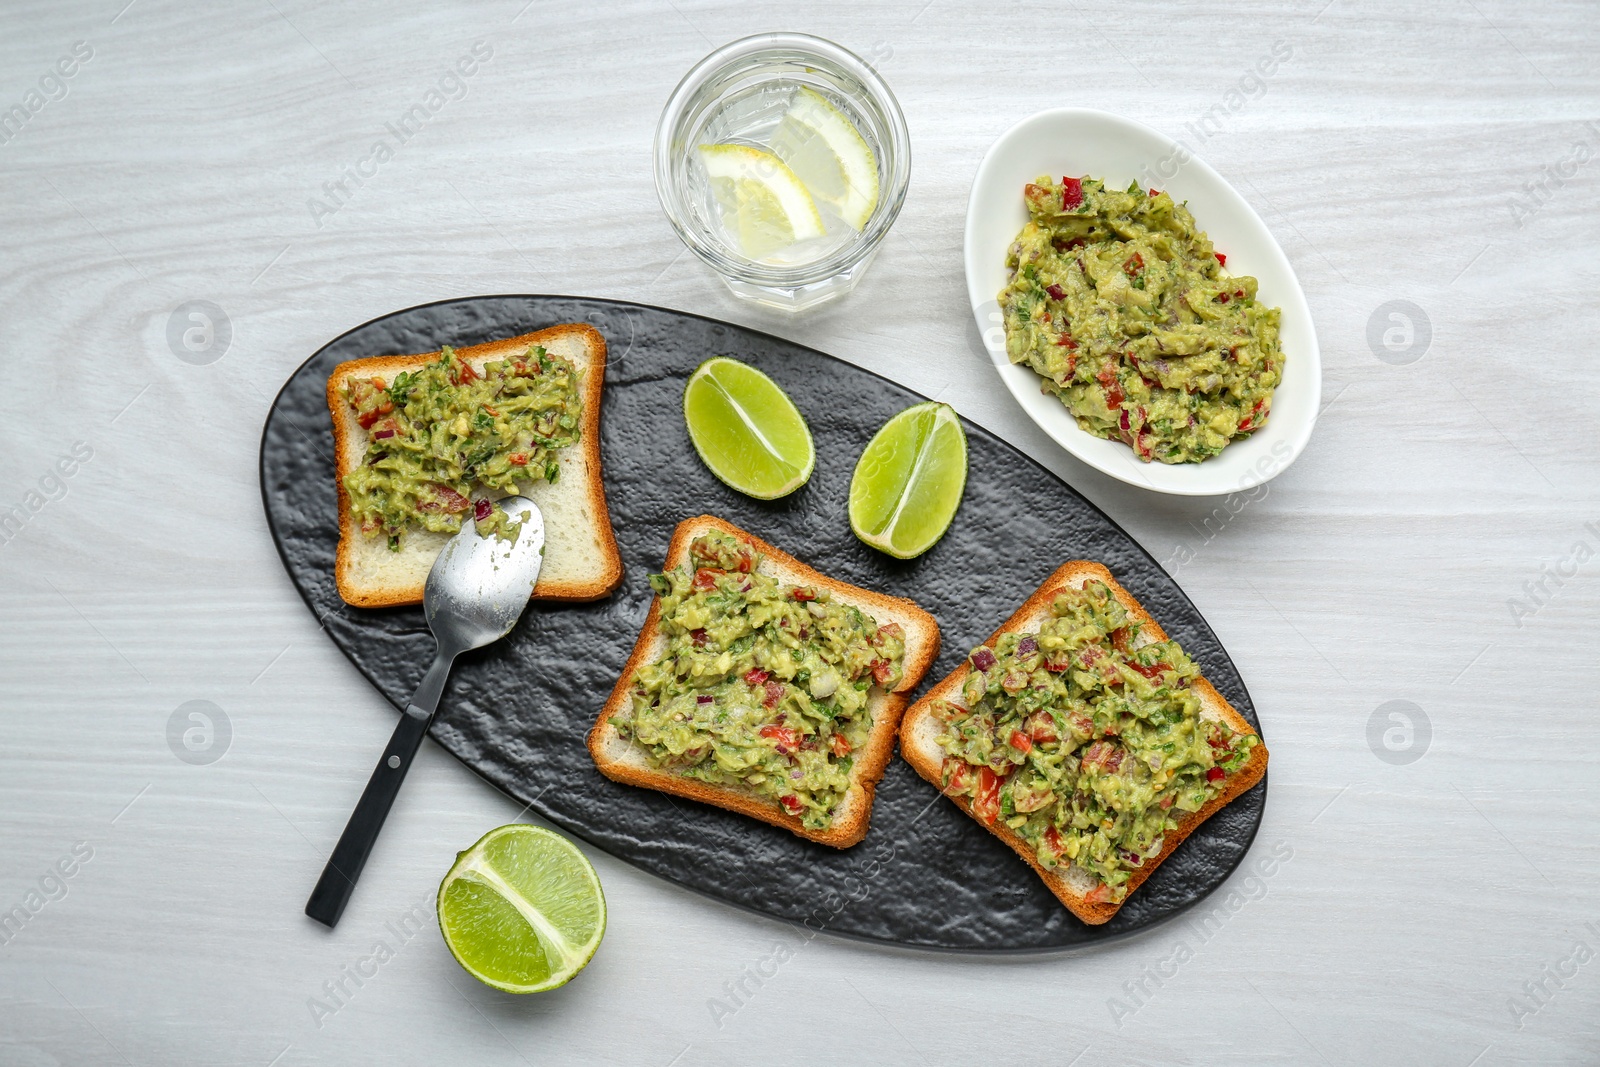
<point x="1416" y="900"/>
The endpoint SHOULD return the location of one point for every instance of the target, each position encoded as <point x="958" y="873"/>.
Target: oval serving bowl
<point x="1081" y="142"/>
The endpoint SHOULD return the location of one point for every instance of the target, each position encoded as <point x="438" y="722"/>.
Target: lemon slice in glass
<point x="909" y="480"/>
<point x="826" y="152"/>
<point x="747" y="430"/>
<point x="765" y="206"/>
<point x="522" y="909"/>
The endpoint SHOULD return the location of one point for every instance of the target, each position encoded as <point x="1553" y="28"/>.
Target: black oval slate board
<point x="517" y="712"/>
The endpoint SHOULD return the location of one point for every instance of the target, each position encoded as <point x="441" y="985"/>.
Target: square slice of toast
<point x="1071" y="883"/>
<point x="581" y="561"/>
<point x="622" y="760"/>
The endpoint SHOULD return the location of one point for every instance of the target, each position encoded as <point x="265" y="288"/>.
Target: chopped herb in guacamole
<point x="436" y="432"/>
<point x="1123" y="307"/>
<point x="762" y="685"/>
<point x="1085" y="743"/>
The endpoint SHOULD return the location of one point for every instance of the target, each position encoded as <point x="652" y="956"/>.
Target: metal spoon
<point x="475" y="593"/>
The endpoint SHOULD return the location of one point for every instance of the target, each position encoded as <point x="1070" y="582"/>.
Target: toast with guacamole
<point x="416" y="437"/>
<point x="1085" y="739"/>
<point x="761" y="686"/>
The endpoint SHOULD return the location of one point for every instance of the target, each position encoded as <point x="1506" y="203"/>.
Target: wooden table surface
<point x="1432" y="882"/>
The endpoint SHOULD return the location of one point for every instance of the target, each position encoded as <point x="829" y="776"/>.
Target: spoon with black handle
<point x="475" y="593"/>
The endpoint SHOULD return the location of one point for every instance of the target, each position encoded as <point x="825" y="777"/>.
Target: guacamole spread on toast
<point x="1088" y="747"/>
<point x="435" y="432"/>
<point x="762" y="685"/>
<point x="1123" y="308"/>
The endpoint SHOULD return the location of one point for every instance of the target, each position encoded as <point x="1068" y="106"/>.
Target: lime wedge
<point x="828" y="154"/>
<point x="765" y="206"/>
<point x="909" y="480"/>
<point x="522" y="909"/>
<point x="747" y="430"/>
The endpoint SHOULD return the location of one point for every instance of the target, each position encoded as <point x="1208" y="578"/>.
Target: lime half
<point x="909" y="480"/>
<point x="765" y="206"/>
<point x="522" y="909"/>
<point x="747" y="430"/>
<point x="828" y="154"/>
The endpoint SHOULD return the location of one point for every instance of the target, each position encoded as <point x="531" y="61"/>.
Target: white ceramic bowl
<point x="1083" y="143"/>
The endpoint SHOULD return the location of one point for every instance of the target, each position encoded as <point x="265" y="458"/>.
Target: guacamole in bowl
<point x="1120" y="152"/>
<point x="1125" y="310"/>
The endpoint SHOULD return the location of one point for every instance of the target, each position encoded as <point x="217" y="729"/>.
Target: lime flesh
<point x="522" y="909"/>
<point x="909" y="480"/>
<point x="747" y="430"/>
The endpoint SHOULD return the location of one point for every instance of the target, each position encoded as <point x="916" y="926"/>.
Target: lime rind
<point x="766" y="455"/>
<point x="909" y="481"/>
<point x="477" y="891"/>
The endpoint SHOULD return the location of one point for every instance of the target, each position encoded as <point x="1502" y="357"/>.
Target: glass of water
<point x="740" y="95"/>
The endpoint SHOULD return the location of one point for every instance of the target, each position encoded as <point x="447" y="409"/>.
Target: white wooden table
<point x="1430" y="547"/>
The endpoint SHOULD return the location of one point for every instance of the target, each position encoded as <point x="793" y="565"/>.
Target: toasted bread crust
<point x="854" y="811"/>
<point x="920" y="727"/>
<point x="386" y="367"/>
